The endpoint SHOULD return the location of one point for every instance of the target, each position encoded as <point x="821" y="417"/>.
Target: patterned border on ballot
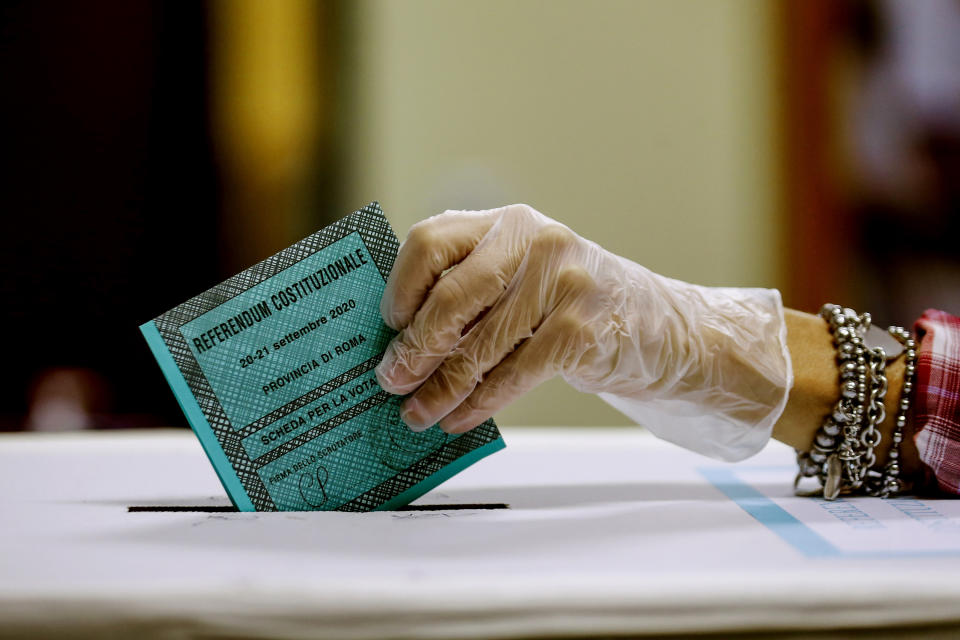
<point x="382" y="244"/>
<point x="426" y="467"/>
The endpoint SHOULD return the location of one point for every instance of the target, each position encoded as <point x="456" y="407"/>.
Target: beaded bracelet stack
<point x="843" y="454"/>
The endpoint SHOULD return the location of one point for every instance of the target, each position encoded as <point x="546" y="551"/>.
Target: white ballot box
<point x="565" y="533"/>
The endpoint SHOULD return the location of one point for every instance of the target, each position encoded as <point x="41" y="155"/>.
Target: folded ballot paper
<point x="274" y="371"/>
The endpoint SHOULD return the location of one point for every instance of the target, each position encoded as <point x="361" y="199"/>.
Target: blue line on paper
<point x="787" y="527"/>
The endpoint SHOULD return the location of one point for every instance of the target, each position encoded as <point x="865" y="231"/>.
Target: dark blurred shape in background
<point x="872" y="177"/>
<point x="106" y="166"/>
<point x="903" y="118"/>
<point x="123" y="193"/>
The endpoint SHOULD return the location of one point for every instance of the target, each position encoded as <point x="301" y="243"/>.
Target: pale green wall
<point x="645" y="126"/>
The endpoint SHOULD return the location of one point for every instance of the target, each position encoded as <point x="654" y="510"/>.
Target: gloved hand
<point x="490" y="304"/>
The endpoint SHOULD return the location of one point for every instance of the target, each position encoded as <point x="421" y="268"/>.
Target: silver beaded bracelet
<point x="843" y="454"/>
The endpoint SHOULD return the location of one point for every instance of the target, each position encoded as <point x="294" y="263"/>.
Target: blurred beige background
<point x="775" y="143"/>
<point x="648" y="127"/>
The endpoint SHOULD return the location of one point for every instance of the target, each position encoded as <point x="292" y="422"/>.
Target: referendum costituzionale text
<point x="283" y="298"/>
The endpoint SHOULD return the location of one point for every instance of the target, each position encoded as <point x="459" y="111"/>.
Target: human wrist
<point x="858" y="444"/>
<point x="816" y="387"/>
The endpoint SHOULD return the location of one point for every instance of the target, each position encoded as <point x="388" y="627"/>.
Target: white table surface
<point x="609" y="531"/>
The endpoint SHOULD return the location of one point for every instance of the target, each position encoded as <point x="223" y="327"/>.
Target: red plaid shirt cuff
<point x="937" y="403"/>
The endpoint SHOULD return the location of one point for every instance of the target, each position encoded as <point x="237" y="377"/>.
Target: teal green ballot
<point x="274" y="371"/>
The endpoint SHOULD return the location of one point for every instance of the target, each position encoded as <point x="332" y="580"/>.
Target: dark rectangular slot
<point x="409" y="507"/>
<point x="453" y="507"/>
<point x="230" y="509"/>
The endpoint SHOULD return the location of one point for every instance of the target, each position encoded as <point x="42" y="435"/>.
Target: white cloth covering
<point x="609" y="531"/>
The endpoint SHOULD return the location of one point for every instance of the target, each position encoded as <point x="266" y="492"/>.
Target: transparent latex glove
<point x="490" y="304"/>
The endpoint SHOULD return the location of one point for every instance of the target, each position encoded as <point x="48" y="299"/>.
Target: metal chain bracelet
<point x="843" y="453"/>
<point x="891" y="482"/>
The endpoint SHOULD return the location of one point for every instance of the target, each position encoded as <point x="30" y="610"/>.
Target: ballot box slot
<point x="453" y="507"/>
<point x="200" y="508"/>
<point x="231" y="509"/>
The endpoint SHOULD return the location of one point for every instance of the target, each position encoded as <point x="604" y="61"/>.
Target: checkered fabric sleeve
<point x="937" y="404"/>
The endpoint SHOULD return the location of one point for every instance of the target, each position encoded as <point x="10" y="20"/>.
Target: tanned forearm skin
<point x="816" y="389"/>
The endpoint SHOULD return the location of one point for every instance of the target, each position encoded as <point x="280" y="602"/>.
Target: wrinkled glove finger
<point x="511" y="321"/>
<point x="534" y="362"/>
<point x="432" y="246"/>
<point x="455" y="301"/>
